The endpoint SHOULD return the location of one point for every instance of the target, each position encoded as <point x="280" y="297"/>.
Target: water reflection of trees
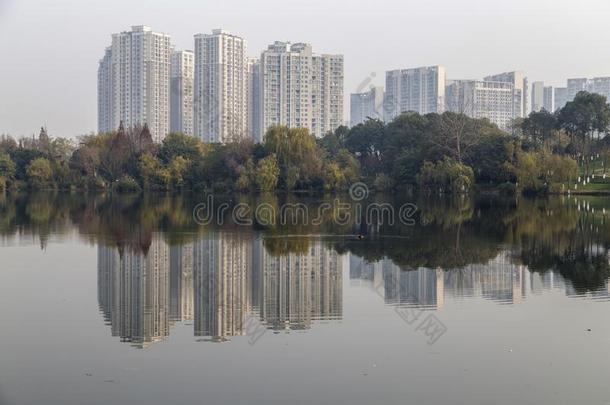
<point x="567" y="235"/>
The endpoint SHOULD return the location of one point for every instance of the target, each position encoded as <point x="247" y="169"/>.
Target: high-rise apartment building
<point x="597" y="85"/>
<point x="254" y="99"/>
<point x="575" y="86"/>
<point x="133" y="82"/>
<point x="301" y="89"/>
<point x="482" y="99"/>
<point x="182" y="90"/>
<point x="548" y="103"/>
<point x="366" y="105"/>
<point x="601" y="86"/>
<point x="420" y="90"/>
<point x="537" y="96"/>
<point x="221" y="87"/>
<point x="520" y="86"/>
<point x="104" y="93"/>
<point x="561" y="97"/>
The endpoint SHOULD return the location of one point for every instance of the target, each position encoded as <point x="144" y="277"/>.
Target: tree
<point x="39" y="173"/>
<point x="86" y="161"/>
<point x="447" y="175"/>
<point x="7" y="169"/>
<point x="44" y="142"/>
<point x="61" y="149"/>
<point x="115" y="155"/>
<point x="177" y="169"/>
<point x="488" y="158"/>
<point x="364" y="140"/>
<point x="267" y="173"/>
<point x="456" y="133"/>
<point x="154" y="175"/>
<point x="588" y="115"/>
<point x="539" y="126"/>
<point x="299" y="158"/>
<point x="178" y="144"/>
<point x="334" y="141"/>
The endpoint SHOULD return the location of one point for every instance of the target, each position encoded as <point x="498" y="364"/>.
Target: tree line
<point x="434" y="153"/>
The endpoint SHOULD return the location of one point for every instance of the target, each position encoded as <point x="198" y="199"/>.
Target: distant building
<point x="483" y="99"/>
<point x="420" y="90"/>
<point x="366" y="105"/>
<point x="254" y="99"/>
<point x="104" y="93"/>
<point x="301" y="89"/>
<point x="221" y="87"/>
<point x="133" y="82"/>
<point x="537" y="96"/>
<point x="575" y="86"/>
<point x="182" y="90"/>
<point x="520" y="86"/>
<point x="548" y="103"/>
<point x="601" y="86"/>
<point x="597" y="85"/>
<point x="561" y="97"/>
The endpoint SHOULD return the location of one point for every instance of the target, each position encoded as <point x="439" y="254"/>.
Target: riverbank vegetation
<point x="434" y="153"/>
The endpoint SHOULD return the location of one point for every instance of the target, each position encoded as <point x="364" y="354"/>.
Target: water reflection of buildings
<point x="218" y="282"/>
<point x="133" y="292"/>
<point x="300" y="288"/>
<point x="499" y="280"/>
<point x="181" y="283"/>
<point x="221" y="286"/>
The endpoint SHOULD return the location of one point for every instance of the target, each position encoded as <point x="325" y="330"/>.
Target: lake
<point x="355" y="299"/>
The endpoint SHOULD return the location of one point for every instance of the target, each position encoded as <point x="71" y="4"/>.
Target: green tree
<point x="587" y="116"/>
<point x="447" y="175"/>
<point x="7" y="170"/>
<point x="179" y="144"/>
<point x="267" y="173"/>
<point x="39" y="173"/>
<point x="539" y="126"/>
<point x="299" y="158"/>
<point x="177" y="168"/>
<point x="153" y="174"/>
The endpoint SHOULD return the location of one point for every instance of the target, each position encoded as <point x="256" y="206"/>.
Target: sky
<point x="49" y="50"/>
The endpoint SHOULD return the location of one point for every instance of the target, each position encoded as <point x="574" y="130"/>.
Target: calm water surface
<point x="129" y="300"/>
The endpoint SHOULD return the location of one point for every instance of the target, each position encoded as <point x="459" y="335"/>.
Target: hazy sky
<point x="49" y="50"/>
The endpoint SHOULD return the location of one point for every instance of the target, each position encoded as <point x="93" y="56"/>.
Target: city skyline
<point x="62" y="79"/>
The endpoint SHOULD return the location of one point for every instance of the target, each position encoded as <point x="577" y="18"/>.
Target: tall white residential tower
<point x="221" y="87"/>
<point x="301" y="89"/>
<point x="182" y="90"/>
<point x="482" y="99"/>
<point x="366" y="105"/>
<point x="420" y="90"/>
<point x="520" y="86"/>
<point x="135" y="88"/>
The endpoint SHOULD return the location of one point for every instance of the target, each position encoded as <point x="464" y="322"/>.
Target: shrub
<point x="127" y="184"/>
<point x="447" y="175"/>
